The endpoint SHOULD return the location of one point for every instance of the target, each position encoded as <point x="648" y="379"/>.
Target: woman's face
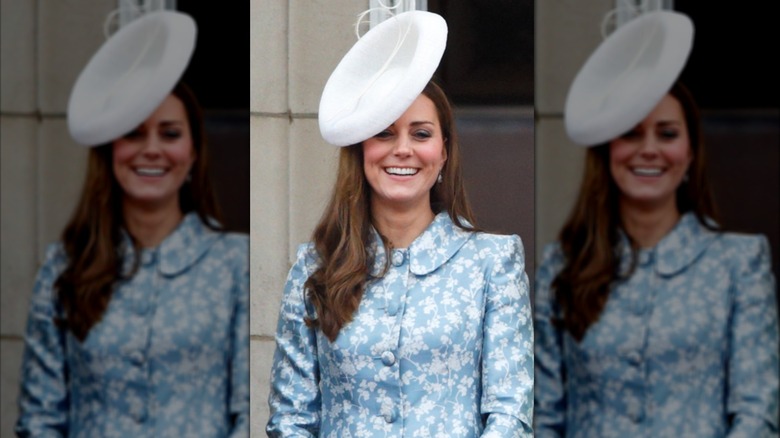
<point x="152" y="162"/>
<point x="403" y="162"/>
<point x="649" y="162"/>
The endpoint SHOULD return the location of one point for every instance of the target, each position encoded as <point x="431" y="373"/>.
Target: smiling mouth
<point x="150" y="171"/>
<point x="647" y="171"/>
<point x="401" y="171"/>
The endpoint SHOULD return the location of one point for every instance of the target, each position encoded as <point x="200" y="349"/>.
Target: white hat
<point x="381" y="76"/>
<point x="626" y="77"/>
<point x="129" y="76"/>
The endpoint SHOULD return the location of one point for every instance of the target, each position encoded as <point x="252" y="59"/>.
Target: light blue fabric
<point x="688" y="346"/>
<point x="168" y="359"/>
<point x="441" y="346"/>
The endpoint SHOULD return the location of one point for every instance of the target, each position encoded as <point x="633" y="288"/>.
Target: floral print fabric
<point x="169" y="357"/>
<point x="687" y="346"/>
<point x="440" y="346"/>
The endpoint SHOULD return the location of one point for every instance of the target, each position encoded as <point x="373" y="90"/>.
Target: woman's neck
<point x="402" y="226"/>
<point x="647" y="226"/>
<point x="151" y="226"/>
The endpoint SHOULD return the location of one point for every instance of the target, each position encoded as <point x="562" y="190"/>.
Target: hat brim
<point x="626" y="77"/>
<point x="381" y="76"/>
<point x="129" y="76"/>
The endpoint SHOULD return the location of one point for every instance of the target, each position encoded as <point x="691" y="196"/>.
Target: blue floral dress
<point x="440" y="346"/>
<point x="686" y="347"/>
<point x="169" y="357"/>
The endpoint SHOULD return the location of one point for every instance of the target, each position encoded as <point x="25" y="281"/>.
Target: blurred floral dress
<point x="169" y="357"/>
<point x="686" y="347"/>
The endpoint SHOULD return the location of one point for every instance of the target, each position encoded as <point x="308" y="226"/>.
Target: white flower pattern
<point x="170" y="357"/>
<point x="687" y="346"/>
<point x="441" y="346"/>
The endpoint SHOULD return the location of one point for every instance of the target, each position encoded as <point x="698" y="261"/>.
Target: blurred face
<point x="649" y="162"/>
<point x="403" y="162"/>
<point x="152" y="162"/>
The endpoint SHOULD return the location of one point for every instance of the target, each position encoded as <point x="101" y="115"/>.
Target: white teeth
<point x="401" y="171"/>
<point x="647" y="171"/>
<point x="149" y="171"/>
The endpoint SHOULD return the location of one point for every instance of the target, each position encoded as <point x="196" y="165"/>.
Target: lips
<point x="402" y="171"/>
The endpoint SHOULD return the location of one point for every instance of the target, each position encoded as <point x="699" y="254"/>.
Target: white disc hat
<point x="381" y="76"/>
<point x="626" y="77"/>
<point x="129" y="76"/>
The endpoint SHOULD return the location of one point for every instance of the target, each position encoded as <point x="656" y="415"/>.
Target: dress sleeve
<point x="294" y="399"/>
<point x="43" y="400"/>
<point x="753" y="370"/>
<point x="507" y="364"/>
<point x="550" y="393"/>
<point x="239" y="364"/>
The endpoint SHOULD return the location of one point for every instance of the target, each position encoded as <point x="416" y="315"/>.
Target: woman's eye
<point x="384" y="134"/>
<point x="633" y="134"/>
<point x="171" y="134"/>
<point x="133" y="135"/>
<point x="669" y="134"/>
<point x="423" y="134"/>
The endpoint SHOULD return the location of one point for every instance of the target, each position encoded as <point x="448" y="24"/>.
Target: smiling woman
<point x="139" y="318"/>
<point x="400" y="311"/>
<point x="645" y="300"/>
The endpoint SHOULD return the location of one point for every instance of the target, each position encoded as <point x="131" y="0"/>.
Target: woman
<point x="138" y="324"/>
<point x="400" y="318"/>
<point x="650" y="320"/>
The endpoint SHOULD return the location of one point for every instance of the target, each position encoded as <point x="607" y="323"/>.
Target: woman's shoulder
<point x="500" y="248"/>
<point x="487" y="239"/>
<point x="740" y="247"/>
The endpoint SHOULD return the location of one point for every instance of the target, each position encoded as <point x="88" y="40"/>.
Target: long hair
<point x="93" y="240"/>
<point x="342" y="237"/>
<point x="590" y="238"/>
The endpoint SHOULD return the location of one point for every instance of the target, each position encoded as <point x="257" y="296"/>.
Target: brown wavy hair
<point x="342" y="237"/>
<point x="93" y="241"/>
<point x="590" y="238"/>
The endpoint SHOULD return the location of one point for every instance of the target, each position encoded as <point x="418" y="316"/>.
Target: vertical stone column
<point x="45" y="44"/>
<point x="566" y="34"/>
<point x="294" y="48"/>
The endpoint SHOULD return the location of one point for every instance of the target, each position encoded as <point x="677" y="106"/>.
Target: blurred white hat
<point x="626" y="77"/>
<point x="129" y="76"/>
<point x="381" y="76"/>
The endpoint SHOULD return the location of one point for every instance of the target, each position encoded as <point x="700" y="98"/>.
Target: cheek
<point x="681" y="155"/>
<point x="619" y="152"/>
<point x="372" y="153"/>
<point x="183" y="154"/>
<point x="122" y="152"/>
<point x="433" y="155"/>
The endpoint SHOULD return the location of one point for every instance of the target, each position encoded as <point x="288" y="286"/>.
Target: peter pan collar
<point x="678" y="249"/>
<point x="181" y="249"/>
<point x="431" y="249"/>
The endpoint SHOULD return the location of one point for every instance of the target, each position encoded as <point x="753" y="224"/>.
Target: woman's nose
<point x="403" y="146"/>
<point x="151" y="145"/>
<point x="648" y="145"/>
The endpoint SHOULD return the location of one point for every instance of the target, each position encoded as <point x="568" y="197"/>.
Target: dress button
<point x="389" y="416"/>
<point x="139" y="415"/>
<point x="137" y="358"/>
<point x="388" y="358"/>
<point x="398" y="257"/>
<point x="392" y="308"/>
<point x="634" y="358"/>
<point x="636" y="415"/>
